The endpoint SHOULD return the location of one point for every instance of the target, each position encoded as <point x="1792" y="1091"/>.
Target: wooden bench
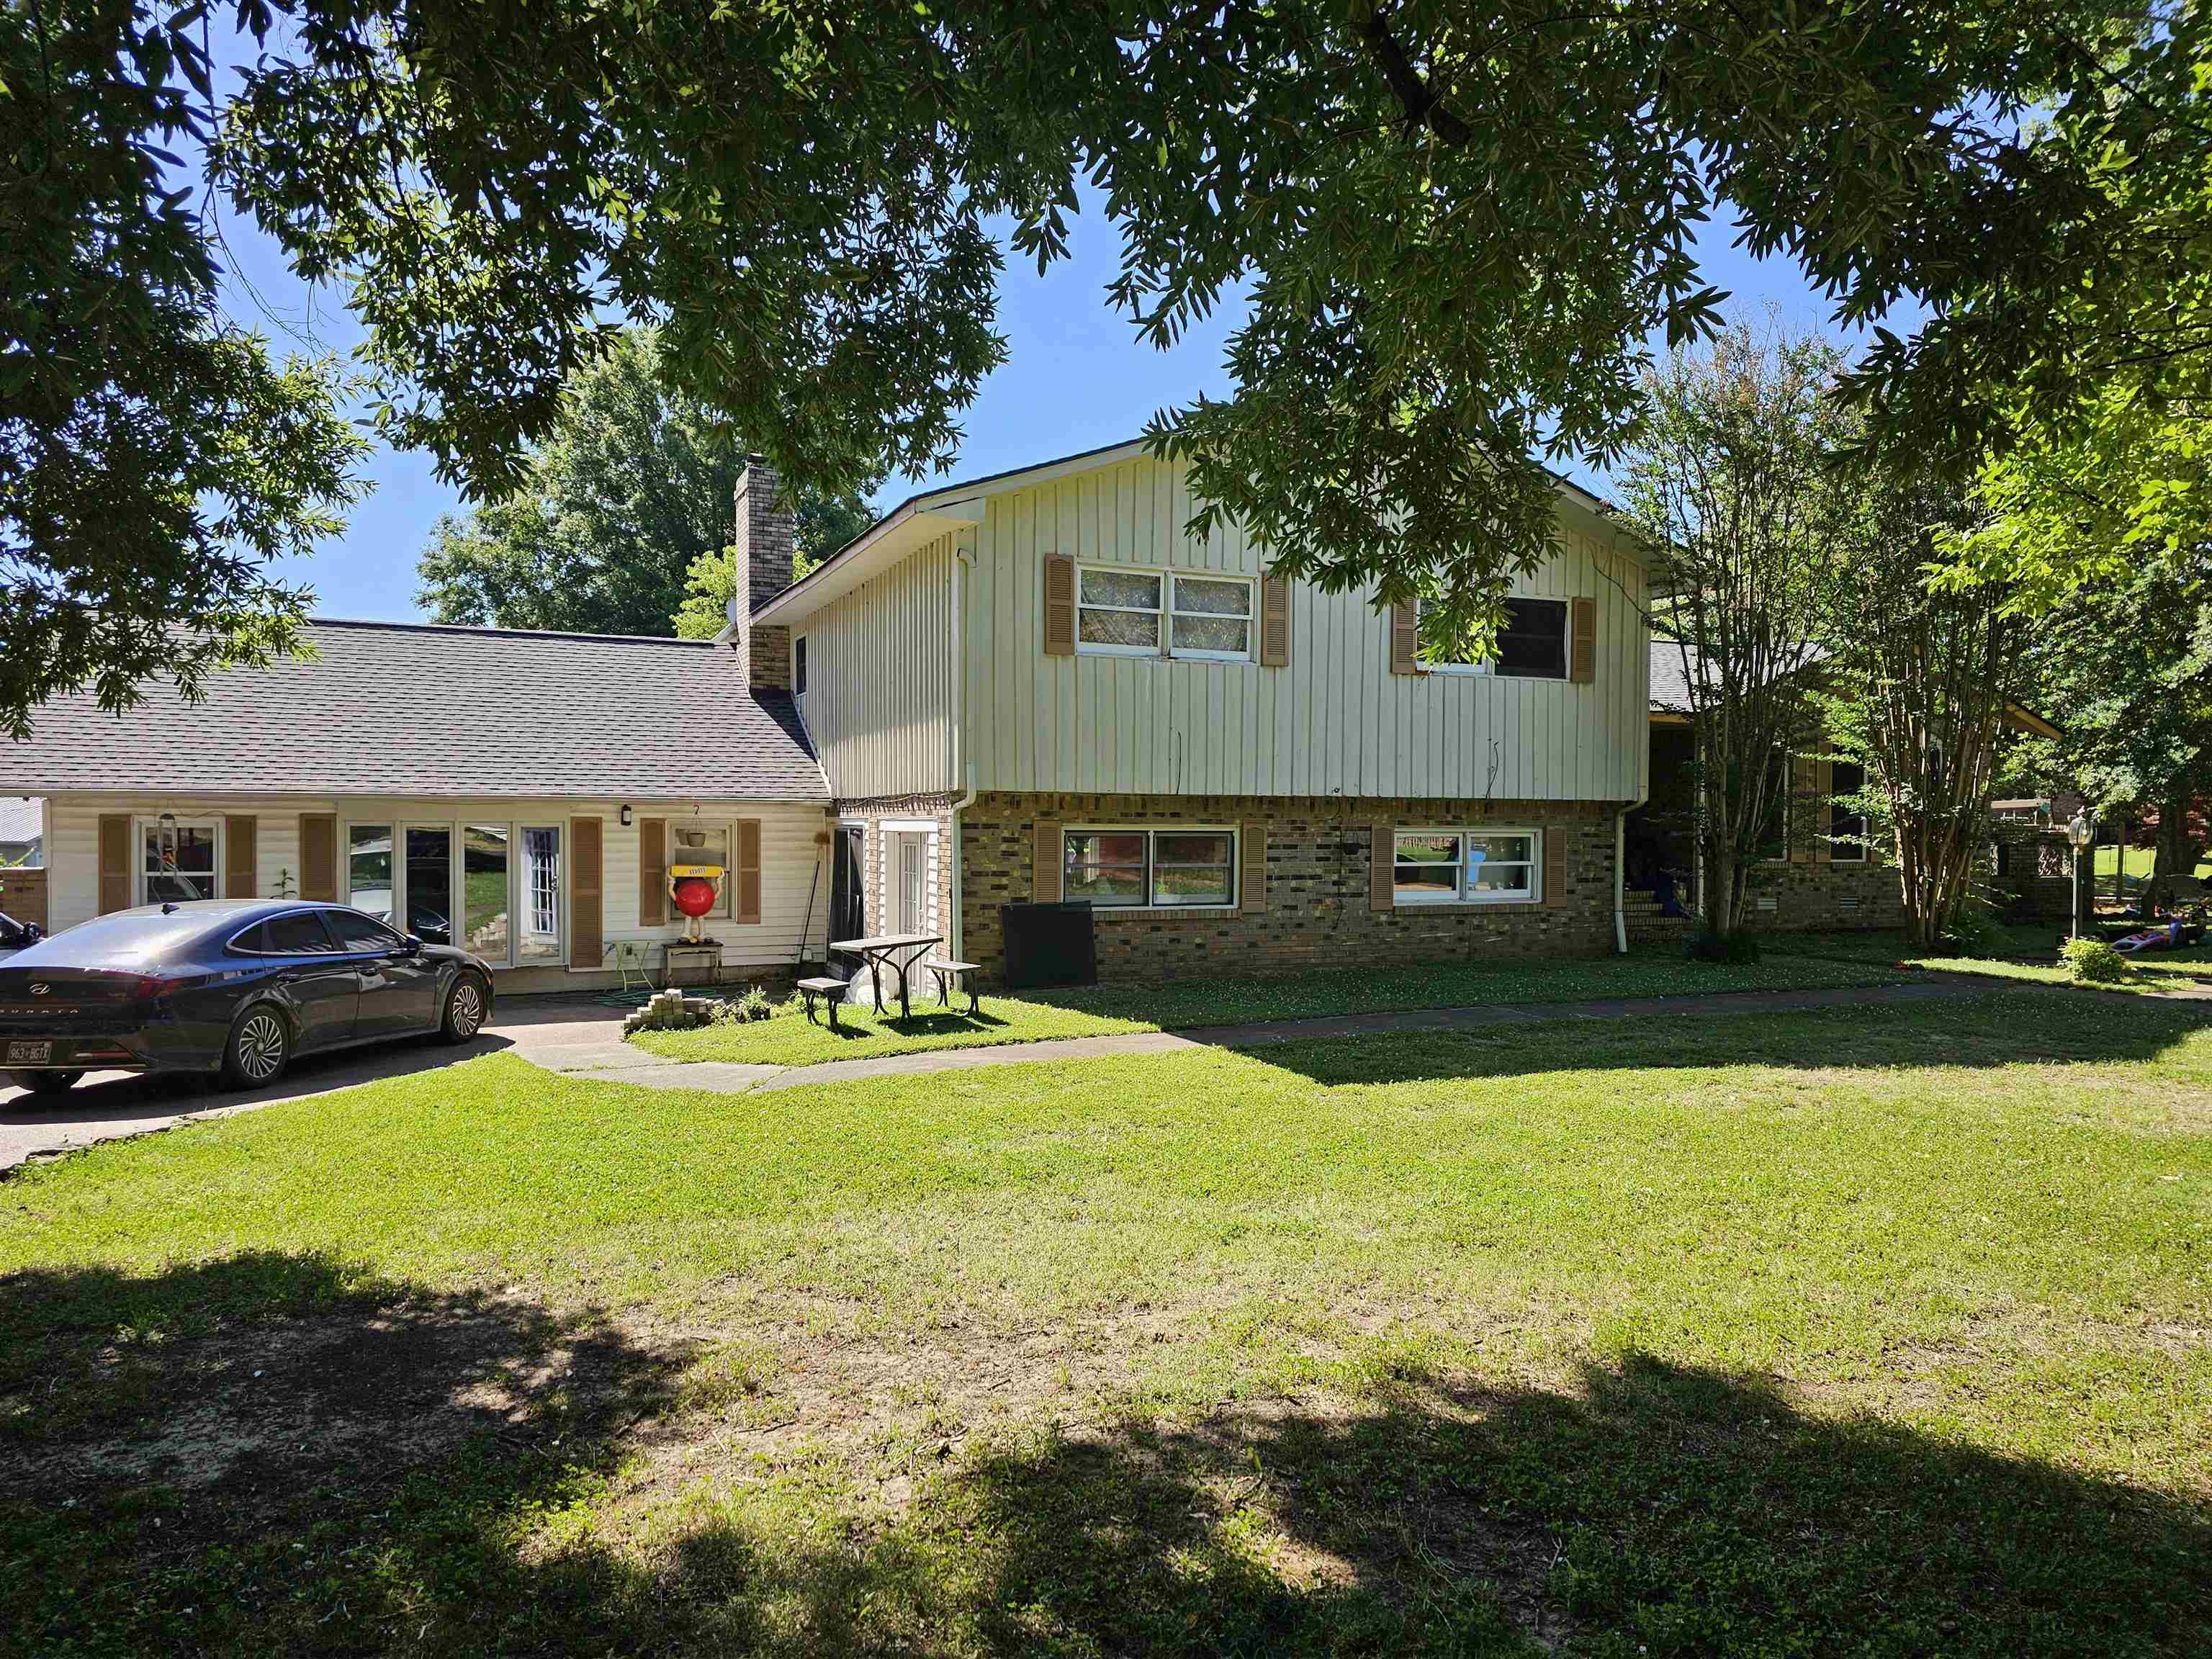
<point x="831" y="991"/>
<point x="946" y="972"/>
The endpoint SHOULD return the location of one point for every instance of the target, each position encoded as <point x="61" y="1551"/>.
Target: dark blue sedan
<point x="236" y="987"/>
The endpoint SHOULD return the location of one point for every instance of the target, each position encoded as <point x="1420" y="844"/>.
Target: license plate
<point x="30" y="1053"/>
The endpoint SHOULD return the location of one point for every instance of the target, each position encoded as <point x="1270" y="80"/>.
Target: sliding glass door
<point x="486" y="882"/>
<point x="430" y="881"/>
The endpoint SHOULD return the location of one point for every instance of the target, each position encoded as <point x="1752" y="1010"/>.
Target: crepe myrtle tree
<point x="1731" y="482"/>
<point x="1922" y="676"/>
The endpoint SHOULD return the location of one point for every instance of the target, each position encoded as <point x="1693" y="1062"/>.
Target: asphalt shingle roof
<point x="393" y="709"/>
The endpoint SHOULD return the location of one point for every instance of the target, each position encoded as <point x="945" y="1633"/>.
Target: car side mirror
<point x="409" y="946"/>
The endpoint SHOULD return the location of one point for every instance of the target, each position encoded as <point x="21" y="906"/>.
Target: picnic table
<point x="886" y="948"/>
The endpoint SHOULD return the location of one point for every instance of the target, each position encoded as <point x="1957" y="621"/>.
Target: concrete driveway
<point x="561" y="1033"/>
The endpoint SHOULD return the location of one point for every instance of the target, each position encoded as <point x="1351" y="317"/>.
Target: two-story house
<point x="1033" y="686"/>
<point x="1037" y="687"/>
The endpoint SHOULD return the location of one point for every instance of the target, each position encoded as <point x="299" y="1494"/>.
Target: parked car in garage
<point x="235" y="987"/>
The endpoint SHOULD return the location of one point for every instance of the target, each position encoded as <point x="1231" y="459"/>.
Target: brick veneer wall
<point x="1812" y="896"/>
<point x="873" y="813"/>
<point x="766" y="535"/>
<point x="1318" y="911"/>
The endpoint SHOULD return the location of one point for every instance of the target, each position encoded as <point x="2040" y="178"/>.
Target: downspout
<point x="963" y="768"/>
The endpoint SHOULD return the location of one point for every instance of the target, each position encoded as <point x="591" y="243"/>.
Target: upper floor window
<point x="1532" y="644"/>
<point x="1145" y="613"/>
<point x="798" y="666"/>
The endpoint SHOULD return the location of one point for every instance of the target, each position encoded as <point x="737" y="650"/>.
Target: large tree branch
<point x="1423" y="104"/>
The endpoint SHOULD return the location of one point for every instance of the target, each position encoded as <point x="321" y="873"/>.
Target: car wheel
<point x="47" y="1083"/>
<point x="260" y="1047"/>
<point x="465" y="1009"/>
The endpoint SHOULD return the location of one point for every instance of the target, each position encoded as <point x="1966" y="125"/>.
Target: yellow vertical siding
<point x="1334" y="722"/>
<point x="879" y="702"/>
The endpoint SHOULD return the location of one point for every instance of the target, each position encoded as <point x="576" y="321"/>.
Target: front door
<point x="910" y="854"/>
<point x="848" y="914"/>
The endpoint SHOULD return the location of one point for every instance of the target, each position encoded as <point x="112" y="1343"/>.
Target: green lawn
<point x="2035" y="946"/>
<point x="1881" y="1331"/>
<point x="1183" y="1005"/>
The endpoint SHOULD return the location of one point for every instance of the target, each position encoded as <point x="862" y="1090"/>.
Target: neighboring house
<point x="1037" y="687"/>
<point x="515" y="792"/>
<point x="22" y="858"/>
<point x="22" y="830"/>
<point x="1031" y="686"/>
<point x="1825" y="871"/>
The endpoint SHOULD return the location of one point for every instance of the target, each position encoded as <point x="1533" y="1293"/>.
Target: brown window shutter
<point x="1049" y="857"/>
<point x="318" y="856"/>
<point x="745" y="899"/>
<point x="116" y="884"/>
<point x="1274" y="621"/>
<point x="241" y="857"/>
<point x="1555" y="866"/>
<point x="652" y="872"/>
<point x="1582" y="664"/>
<point x="1405" y="640"/>
<point x="586" y="885"/>
<point x="1823" y="815"/>
<point x="1382" y="877"/>
<point x="1059" y="605"/>
<point x="1252" y="879"/>
<point x="1798" y="823"/>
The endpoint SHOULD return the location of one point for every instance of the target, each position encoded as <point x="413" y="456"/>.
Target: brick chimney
<point x="766" y="534"/>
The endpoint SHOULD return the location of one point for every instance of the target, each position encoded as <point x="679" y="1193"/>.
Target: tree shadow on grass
<point x="280" y="1455"/>
<point x="2002" y="1028"/>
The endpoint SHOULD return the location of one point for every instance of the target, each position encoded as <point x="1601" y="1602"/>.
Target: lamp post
<point x="2079" y="833"/>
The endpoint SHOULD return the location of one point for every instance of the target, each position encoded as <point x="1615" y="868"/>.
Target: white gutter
<point x="958" y="744"/>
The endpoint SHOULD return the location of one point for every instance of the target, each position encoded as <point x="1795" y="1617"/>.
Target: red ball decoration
<point x="693" y="895"/>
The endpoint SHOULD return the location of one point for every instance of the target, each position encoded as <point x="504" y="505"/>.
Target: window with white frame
<point x="1179" y="868"/>
<point x="1464" y="867"/>
<point x="178" y="859"/>
<point x="1532" y="644"/>
<point x="1150" y="613"/>
<point x="701" y="842"/>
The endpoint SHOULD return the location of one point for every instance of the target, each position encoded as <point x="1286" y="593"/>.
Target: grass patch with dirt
<point x="788" y="1039"/>
<point x="1883" y="1330"/>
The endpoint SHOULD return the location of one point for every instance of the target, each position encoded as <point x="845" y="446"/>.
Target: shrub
<point x="1975" y="931"/>
<point x="1731" y="948"/>
<point x="754" y="1006"/>
<point x="2092" y="962"/>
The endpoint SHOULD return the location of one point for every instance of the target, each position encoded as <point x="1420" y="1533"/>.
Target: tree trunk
<point x="2173" y="857"/>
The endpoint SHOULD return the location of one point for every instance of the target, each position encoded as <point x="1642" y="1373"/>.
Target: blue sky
<point x="1076" y="377"/>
